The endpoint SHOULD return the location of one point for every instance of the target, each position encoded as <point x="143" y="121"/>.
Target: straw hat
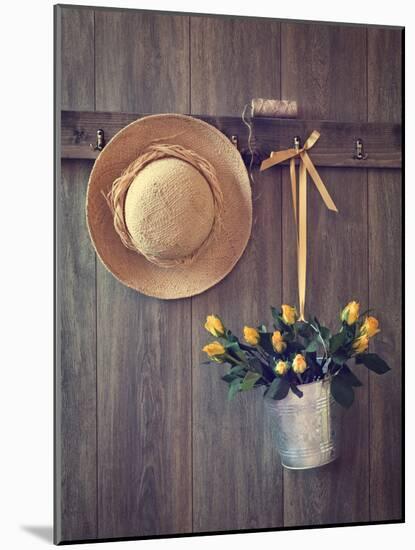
<point x="169" y="206"/>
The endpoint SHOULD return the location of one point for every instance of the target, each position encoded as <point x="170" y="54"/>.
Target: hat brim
<point x="231" y="237"/>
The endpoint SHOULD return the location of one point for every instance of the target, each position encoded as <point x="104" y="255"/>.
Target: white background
<point x="26" y="304"/>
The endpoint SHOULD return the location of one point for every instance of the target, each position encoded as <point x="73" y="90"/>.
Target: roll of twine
<point x="274" y="108"/>
<point x="118" y="192"/>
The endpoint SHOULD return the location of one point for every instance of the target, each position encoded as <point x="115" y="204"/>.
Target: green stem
<point x="321" y="338"/>
<point x="234" y="360"/>
<point x="263" y="353"/>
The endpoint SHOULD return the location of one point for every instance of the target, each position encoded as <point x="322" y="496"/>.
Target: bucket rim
<point x="326" y="378"/>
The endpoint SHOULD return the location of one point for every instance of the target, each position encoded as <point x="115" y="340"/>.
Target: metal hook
<point x="100" y="144"/>
<point x="234" y="140"/>
<point x="297" y="142"/>
<point x="359" y="153"/>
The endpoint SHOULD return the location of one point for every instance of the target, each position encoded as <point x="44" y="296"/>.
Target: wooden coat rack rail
<point x="342" y="144"/>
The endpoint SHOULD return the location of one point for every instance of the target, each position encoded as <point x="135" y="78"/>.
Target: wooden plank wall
<point x="148" y="443"/>
<point x="328" y="86"/>
<point x="385" y="290"/>
<point x="143" y="360"/>
<point x="76" y="414"/>
<point x="221" y="51"/>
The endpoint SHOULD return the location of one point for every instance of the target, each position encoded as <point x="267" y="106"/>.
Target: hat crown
<point x="169" y="209"/>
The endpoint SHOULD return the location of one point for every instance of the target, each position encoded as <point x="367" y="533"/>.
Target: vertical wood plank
<point x="324" y="69"/>
<point x="232" y="61"/>
<point x="78" y="373"/>
<point x="77" y="59"/>
<point x="144" y="370"/>
<point x="142" y="60"/>
<point x="75" y="465"/>
<point x="385" y="294"/>
<point x="237" y="478"/>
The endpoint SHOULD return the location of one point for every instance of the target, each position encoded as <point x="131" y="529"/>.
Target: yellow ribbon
<point x="300" y="212"/>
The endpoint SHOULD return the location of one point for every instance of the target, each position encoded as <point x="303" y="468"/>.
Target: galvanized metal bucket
<point x="306" y="429"/>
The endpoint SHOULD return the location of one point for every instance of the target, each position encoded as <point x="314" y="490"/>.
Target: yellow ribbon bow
<point x="306" y="165"/>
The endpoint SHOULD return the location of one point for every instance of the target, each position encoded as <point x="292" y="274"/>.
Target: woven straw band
<point x="118" y="192"/>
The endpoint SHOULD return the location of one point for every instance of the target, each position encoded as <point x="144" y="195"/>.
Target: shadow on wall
<point x="44" y="532"/>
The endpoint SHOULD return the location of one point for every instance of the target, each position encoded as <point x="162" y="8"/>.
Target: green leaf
<point x="262" y="328"/>
<point x="337" y="341"/>
<point x="340" y="357"/>
<point x="269" y="392"/>
<point x="280" y="325"/>
<point x="295" y="347"/>
<point x="289" y="336"/>
<point x="265" y="342"/>
<point x="305" y="330"/>
<point x="232" y="346"/>
<point x="278" y="322"/>
<point x="351" y="331"/>
<point x="249" y="381"/>
<point x="229" y="377"/>
<point x="234" y="387"/>
<point x="312" y="346"/>
<point x="317" y="322"/>
<point x="278" y="389"/>
<point x="315" y="368"/>
<point x="350" y="377"/>
<point x="255" y="365"/>
<point x="275" y="313"/>
<point x="238" y="369"/>
<point x="325" y="333"/>
<point x="296" y="390"/>
<point x="229" y="341"/>
<point x="373" y="362"/>
<point x="342" y="391"/>
<point x="233" y="374"/>
<point x="231" y="337"/>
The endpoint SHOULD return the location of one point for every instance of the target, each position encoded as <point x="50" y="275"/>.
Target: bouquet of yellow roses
<point x="296" y="352"/>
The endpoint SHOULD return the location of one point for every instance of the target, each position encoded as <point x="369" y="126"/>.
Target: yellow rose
<point x="278" y="342"/>
<point x="370" y="327"/>
<point x="281" y="368"/>
<point x="299" y="364"/>
<point x="350" y="313"/>
<point x="361" y="344"/>
<point x="214" y="325"/>
<point x="289" y="314"/>
<point x="251" y="336"/>
<point x="214" y="349"/>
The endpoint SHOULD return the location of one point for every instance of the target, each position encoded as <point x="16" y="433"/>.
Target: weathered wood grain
<point x="144" y="416"/>
<point x="385" y="283"/>
<point x="382" y="141"/>
<point x="144" y="369"/>
<point x="231" y="58"/>
<point x="77" y="379"/>
<point x="75" y="360"/>
<point x="237" y="478"/>
<point x="161" y="450"/>
<point x="324" y="69"/>
<point x="77" y="90"/>
<point x="142" y="59"/>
